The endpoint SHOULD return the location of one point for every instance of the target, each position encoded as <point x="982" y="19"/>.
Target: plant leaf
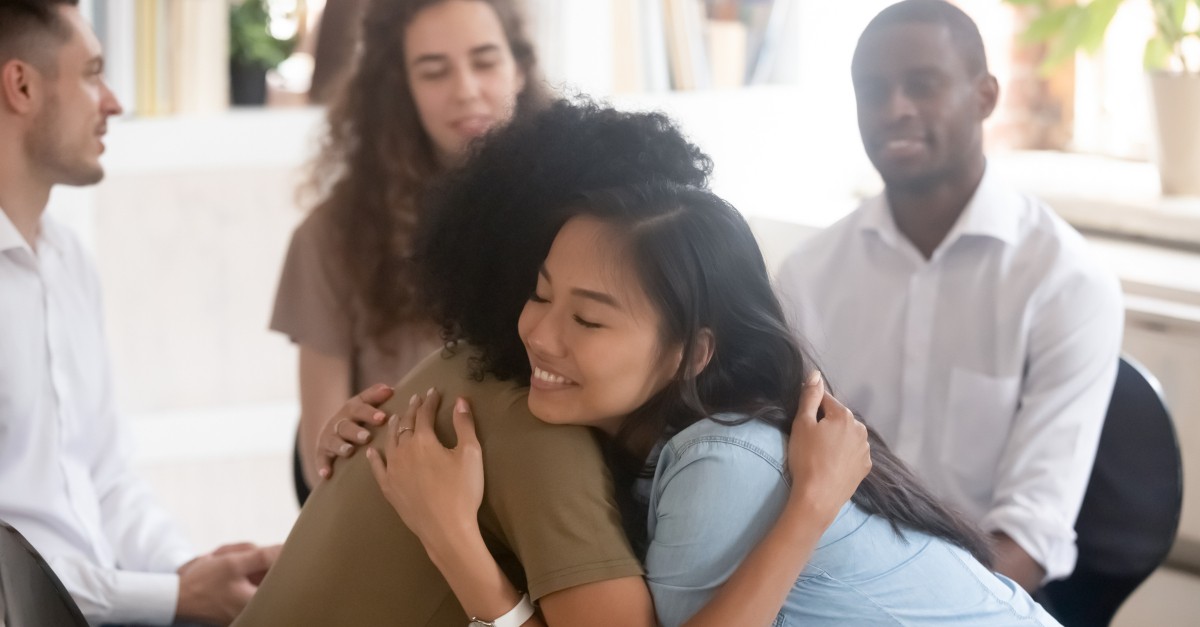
<point x="1068" y="41"/>
<point x="1048" y="25"/>
<point x="1157" y="55"/>
<point x="1100" y="14"/>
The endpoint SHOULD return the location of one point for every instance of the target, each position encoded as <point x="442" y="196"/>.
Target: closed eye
<point x="586" y="324"/>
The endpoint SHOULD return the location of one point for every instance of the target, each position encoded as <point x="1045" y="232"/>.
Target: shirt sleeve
<point x="147" y="544"/>
<point x="712" y="503"/>
<point x="552" y="498"/>
<point x="312" y="304"/>
<point x="107" y="595"/>
<point x="1074" y="346"/>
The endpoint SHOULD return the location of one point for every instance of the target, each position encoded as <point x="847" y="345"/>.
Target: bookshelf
<point x="614" y="47"/>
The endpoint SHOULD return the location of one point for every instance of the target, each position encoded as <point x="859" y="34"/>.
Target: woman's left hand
<point x="435" y="490"/>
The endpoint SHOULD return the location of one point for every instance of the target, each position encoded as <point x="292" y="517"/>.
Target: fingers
<point x="464" y="424"/>
<point x="235" y="548"/>
<point x="811" y="395"/>
<point x="376" y="395"/>
<point x="834" y="408"/>
<point x="250" y="562"/>
<point x="427" y="412"/>
<point x="378" y="468"/>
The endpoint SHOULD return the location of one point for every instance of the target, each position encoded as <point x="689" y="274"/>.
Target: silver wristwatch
<point x="512" y="618"/>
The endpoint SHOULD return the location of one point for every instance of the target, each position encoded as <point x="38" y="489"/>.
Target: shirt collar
<point x="991" y="212"/>
<point x="10" y="237"/>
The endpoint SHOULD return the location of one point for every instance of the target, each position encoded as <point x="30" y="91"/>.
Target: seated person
<point x="967" y="320"/>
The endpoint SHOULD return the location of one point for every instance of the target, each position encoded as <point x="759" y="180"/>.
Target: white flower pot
<point x="1177" y="113"/>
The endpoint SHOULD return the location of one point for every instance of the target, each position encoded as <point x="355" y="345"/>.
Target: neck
<point x="926" y="213"/>
<point x="23" y="196"/>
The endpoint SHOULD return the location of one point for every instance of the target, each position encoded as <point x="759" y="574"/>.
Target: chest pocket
<point x="979" y="414"/>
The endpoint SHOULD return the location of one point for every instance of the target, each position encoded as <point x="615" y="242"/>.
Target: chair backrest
<point x="1131" y="509"/>
<point x="32" y="595"/>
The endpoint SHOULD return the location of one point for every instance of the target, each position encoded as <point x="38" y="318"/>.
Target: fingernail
<point x="416" y="398"/>
<point x="378" y="417"/>
<point x="460" y="406"/>
<point x="363" y="435"/>
<point x="345" y="448"/>
<point x="381" y="387"/>
<point x="814" y="377"/>
<point x="430" y="392"/>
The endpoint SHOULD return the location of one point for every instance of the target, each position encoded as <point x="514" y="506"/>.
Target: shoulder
<point x="1068" y="265"/>
<point x="727" y="438"/>
<point x="812" y="256"/>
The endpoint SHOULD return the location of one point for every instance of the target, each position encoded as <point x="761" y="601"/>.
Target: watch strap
<point x="515" y="617"/>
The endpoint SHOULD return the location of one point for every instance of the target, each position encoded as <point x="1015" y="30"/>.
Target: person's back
<point x="350" y="560"/>
<point x="716" y="492"/>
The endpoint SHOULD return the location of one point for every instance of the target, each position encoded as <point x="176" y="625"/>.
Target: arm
<point x="1071" y="364"/>
<point x="324" y="386"/>
<point x="445" y="520"/>
<point x="715" y="498"/>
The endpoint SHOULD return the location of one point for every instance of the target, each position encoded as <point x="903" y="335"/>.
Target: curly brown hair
<point x="376" y="159"/>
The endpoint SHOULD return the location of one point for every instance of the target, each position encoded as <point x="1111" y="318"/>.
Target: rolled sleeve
<point x="714" y="499"/>
<point x="1045" y="466"/>
<point x="117" y="596"/>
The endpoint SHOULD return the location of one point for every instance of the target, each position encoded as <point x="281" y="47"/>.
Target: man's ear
<point x="20" y="86"/>
<point x="702" y="350"/>
<point x="988" y="92"/>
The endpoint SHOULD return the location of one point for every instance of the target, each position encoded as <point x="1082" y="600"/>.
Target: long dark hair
<point x="490" y="226"/>
<point x="700" y="266"/>
<point x="376" y="159"/>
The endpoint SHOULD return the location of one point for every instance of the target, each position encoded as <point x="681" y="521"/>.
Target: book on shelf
<point x="696" y="44"/>
<point x="165" y="56"/>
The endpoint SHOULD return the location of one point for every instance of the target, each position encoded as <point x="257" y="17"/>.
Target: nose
<point x="544" y="336"/>
<point x="899" y="106"/>
<point x="466" y="85"/>
<point x="109" y="104"/>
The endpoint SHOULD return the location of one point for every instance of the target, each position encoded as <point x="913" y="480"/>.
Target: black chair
<point x="1131" y="509"/>
<point x="30" y="593"/>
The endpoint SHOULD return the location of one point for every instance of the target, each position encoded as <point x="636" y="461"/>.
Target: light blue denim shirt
<point x="719" y="489"/>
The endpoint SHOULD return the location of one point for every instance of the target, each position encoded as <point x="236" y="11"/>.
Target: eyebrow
<point x="600" y="297"/>
<point x="437" y="57"/>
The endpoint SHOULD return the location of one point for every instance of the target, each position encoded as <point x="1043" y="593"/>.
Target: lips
<point x="473" y="126"/>
<point x="901" y="147"/>
<point x="546" y="379"/>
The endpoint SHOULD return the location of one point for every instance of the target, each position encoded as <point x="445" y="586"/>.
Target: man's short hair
<point x="29" y="27"/>
<point x="963" y="31"/>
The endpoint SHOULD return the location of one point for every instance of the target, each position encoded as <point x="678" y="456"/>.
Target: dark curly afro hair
<point x="487" y="227"/>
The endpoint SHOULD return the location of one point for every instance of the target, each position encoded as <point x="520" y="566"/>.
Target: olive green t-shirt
<point x="548" y="516"/>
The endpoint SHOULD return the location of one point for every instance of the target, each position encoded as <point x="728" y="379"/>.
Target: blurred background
<point x="190" y="225"/>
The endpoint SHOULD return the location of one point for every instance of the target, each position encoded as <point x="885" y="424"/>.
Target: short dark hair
<point x="23" y="26"/>
<point x="963" y="31"/>
<point x="509" y="200"/>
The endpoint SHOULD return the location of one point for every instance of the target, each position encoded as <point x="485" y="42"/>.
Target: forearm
<point x="760" y="585"/>
<point x="1013" y="562"/>
<point x="481" y="587"/>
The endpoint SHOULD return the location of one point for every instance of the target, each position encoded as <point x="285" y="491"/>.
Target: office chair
<point x="30" y="593"/>
<point x="1131" y="509"/>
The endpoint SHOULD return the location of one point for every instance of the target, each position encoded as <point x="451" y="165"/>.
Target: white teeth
<point x="547" y="377"/>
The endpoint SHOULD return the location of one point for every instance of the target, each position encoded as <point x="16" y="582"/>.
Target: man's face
<point x="66" y="135"/>
<point x="920" y="110"/>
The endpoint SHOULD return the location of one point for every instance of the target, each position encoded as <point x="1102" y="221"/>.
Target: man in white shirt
<point x="964" y="321"/>
<point x="65" y="477"/>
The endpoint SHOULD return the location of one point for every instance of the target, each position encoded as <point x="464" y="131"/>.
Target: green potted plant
<point x="1068" y="26"/>
<point x="252" y="51"/>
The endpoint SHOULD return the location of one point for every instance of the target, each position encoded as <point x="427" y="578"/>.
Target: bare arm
<point x="830" y="460"/>
<point x="1013" y="562"/>
<point x="324" y="387"/>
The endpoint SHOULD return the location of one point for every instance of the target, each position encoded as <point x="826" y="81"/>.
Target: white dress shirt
<point x="65" y="479"/>
<point x="987" y="368"/>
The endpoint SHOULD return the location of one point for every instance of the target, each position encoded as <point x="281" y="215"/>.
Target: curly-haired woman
<point x="432" y="75"/>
